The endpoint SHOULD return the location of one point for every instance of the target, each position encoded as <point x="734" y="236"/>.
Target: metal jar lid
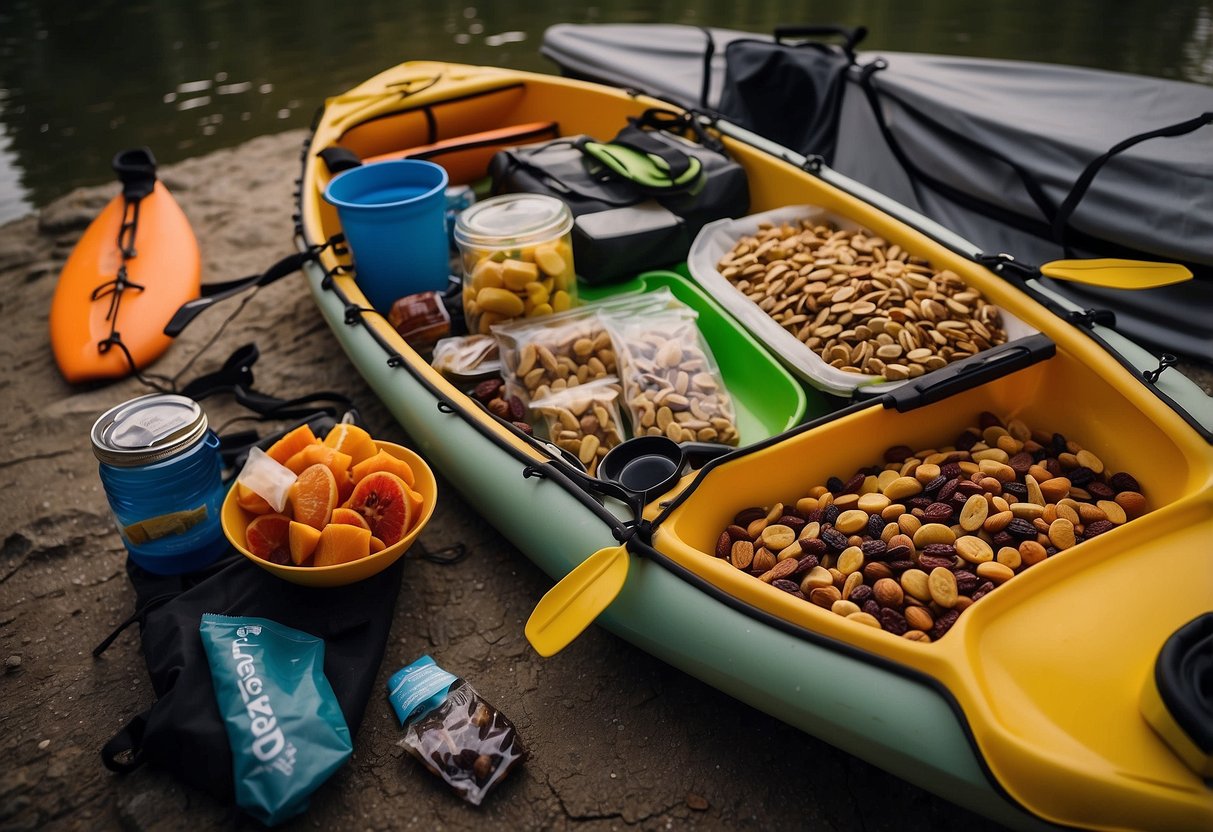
<point x="513" y="220"/>
<point x="148" y="429"/>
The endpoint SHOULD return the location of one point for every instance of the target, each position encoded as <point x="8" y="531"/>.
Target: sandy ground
<point x="617" y="739"/>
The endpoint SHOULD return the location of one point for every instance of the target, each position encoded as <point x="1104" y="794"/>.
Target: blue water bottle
<point x="161" y="471"/>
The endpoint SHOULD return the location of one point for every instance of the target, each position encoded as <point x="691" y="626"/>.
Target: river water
<point x="79" y="82"/>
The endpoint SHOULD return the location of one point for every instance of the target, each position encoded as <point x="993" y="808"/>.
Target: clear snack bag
<point x="285" y="728"/>
<point x="584" y="420"/>
<point x="671" y="383"/>
<point x="545" y="355"/>
<point x="452" y="730"/>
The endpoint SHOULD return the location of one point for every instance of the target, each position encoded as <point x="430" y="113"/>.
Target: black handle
<point x="701" y="453"/>
<point x="1183" y="674"/>
<point x="851" y="36"/>
<point x="222" y="291"/>
<point x="971" y="372"/>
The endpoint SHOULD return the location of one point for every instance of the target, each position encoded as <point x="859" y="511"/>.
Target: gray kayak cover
<point x="960" y="127"/>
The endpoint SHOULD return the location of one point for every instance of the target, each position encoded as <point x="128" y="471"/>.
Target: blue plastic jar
<point x="161" y="471"/>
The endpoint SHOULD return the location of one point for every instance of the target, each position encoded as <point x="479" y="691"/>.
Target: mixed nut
<point x="863" y="305"/>
<point x="908" y="545"/>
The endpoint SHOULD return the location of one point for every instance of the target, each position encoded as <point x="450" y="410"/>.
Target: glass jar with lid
<point x="517" y="258"/>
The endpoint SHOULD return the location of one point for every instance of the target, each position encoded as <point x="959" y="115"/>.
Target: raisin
<point x="935" y="484"/>
<point x="893" y="621"/>
<point x="1124" y="482"/>
<point x="835" y="540"/>
<point x="874" y="549"/>
<point x="900" y="453"/>
<point x="860" y="594"/>
<point x="830" y="515"/>
<point x="876" y="525"/>
<point x="834" y="485"/>
<point x="1021" y="528"/>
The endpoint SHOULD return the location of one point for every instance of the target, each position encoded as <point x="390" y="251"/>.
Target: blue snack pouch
<point x="286" y="731"/>
<point x="452" y="730"/>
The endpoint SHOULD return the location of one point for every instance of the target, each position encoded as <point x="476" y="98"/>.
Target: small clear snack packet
<point x="452" y="730"/>
<point x="285" y="728"/>
<point x="548" y="354"/>
<point x="267" y="477"/>
<point x="584" y="420"/>
<point x="467" y="358"/>
<point x="671" y="383"/>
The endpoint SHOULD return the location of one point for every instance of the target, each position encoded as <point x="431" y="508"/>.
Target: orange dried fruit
<point x="251" y="501"/>
<point x="314" y="496"/>
<point x="303" y="539"/>
<point x="383" y="461"/>
<point x="337" y="462"/>
<point x="349" y="517"/>
<point x="342" y="543"/>
<point x="382" y="498"/>
<point x="268" y="537"/>
<point x="417" y="501"/>
<point x="377" y="545"/>
<point x="352" y="440"/>
<point x="291" y="444"/>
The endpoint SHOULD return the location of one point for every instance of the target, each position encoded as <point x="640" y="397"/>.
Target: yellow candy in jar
<point x="517" y="258"/>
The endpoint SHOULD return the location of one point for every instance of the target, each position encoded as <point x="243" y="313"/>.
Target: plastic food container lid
<point x="513" y="220"/>
<point x="148" y="429"/>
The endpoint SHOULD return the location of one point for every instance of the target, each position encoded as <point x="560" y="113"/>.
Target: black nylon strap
<point x="709" y="52"/>
<point x="639" y="140"/>
<point x="1061" y="219"/>
<point x="867" y="83"/>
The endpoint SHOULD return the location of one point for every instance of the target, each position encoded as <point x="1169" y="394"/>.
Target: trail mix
<point x="908" y="545"/>
<point x="863" y="305"/>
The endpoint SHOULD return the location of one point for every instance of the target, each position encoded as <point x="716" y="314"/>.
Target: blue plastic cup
<point x="393" y="216"/>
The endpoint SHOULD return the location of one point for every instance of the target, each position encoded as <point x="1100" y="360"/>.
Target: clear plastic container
<point x="161" y="471"/>
<point x="517" y="256"/>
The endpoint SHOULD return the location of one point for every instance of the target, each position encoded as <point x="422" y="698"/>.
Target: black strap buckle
<point x="1165" y="362"/>
<point x="1090" y="317"/>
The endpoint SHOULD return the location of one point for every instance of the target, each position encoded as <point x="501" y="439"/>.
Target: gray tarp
<point x="1052" y="120"/>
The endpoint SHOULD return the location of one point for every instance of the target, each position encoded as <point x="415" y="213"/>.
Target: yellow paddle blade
<point x="572" y="604"/>
<point x="1117" y="274"/>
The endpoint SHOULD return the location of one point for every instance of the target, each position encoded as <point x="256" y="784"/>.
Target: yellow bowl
<point x="236" y="520"/>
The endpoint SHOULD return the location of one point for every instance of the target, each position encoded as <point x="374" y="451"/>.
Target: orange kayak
<point x="109" y="310"/>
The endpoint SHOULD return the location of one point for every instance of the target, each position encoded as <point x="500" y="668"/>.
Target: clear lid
<point x="513" y="220"/>
<point x="148" y="429"/>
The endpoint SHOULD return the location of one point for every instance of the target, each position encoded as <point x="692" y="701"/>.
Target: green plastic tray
<point x="768" y="399"/>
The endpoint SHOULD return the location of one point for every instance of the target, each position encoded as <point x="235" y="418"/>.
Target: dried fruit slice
<point x="377" y="545"/>
<point x="251" y="501"/>
<point x="291" y="444"/>
<point x="341" y="543"/>
<point x="383" y="461"/>
<point x="314" y="496"/>
<point x="382" y="498"/>
<point x="268" y="537"/>
<point x="352" y="440"/>
<point x="337" y="462"/>
<point x="303" y="540"/>
<point x="349" y="517"/>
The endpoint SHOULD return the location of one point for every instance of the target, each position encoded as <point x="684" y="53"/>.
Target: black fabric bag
<point x="619" y="228"/>
<point x="183" y="731"/>
<point x="790" y="93"/>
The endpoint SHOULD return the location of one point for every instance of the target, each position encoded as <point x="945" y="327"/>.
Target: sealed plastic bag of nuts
<point x="550" y="353"/>
<point x="452" y="730"/>
<point x="671" y="382"/>
<point x="584" y="420"/>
